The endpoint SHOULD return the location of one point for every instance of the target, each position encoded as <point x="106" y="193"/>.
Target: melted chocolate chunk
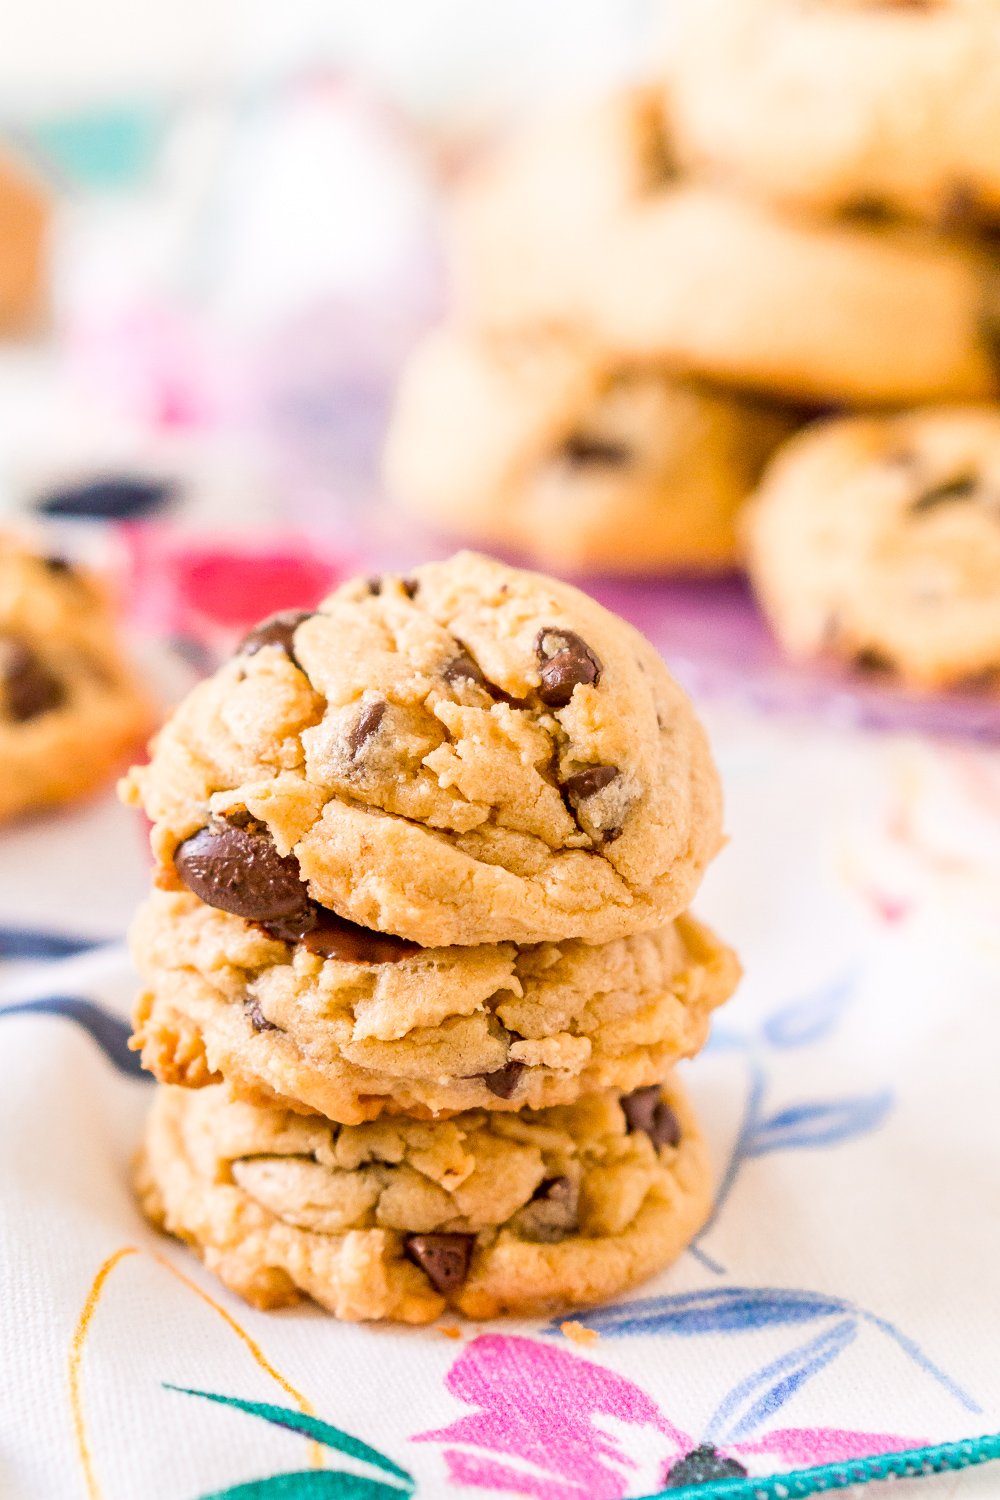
<point x="587" y="450"/>
<point x="443" y="1258"/>
<point x="374" y="584"/>
<point x="702" y="1465"/>
<point x="335" y="937"/>
<point x="365" y="726"/>
<point x="646" y="1110"/>
<point x="30" y="688"/>
<point x="588" y="783"/>
<point x="58" y="564"/>
<point x="961" y="488"/>
<point x="504" y="1080"/>
<point x="567" y="663"/>
<point x="409" y="587"/>
<point x="256" y="1016"/>
<point x="238" y="869"/>
<point x="276" y="630"/>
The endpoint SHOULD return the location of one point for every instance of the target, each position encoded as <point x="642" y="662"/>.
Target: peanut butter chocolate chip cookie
<point x="535" y="443"/>
<point x="399" y="1219"/>
<point x="879" y="542"/>
<point x="348" y="1024"/>
<point x="471" y="755"/>
<point x="70" y="706"/>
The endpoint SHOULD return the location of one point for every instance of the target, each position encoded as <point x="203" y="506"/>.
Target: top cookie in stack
<point x="424" y="855"/>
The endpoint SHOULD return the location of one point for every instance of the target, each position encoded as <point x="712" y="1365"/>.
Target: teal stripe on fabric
<point x="909" y="1463"/>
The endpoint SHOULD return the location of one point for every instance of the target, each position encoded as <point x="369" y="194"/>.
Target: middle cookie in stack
<point x="502" y="783"/>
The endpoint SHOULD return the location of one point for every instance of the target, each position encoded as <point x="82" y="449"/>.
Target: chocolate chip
<point x="551" y="1214"/>
<point x="335" y="937"/>
<point x="374" y="585"/>
<point x="873" y="211"/>
<point x="646" y="1110"/>
<point x="462" y="668"/>
<point x="960" y="488"/>
<point x="365" y="726"/>
<point x="30" y="688"/>
<point x="57" y="564"/>
<point x="504" y="1080"/>
<point x="584" y="784"/>
<point x="238" y="869"/>
<point x="586" y="450"/>
<point x="409" y="587"/>
<point x="567" y="663"/>
<point x="870" y="660"/>
<point x="276" y="630"/>
<point x="701" y="1466"/>
<point x="256" y="1016"/>
<point x="443" y="1258"/>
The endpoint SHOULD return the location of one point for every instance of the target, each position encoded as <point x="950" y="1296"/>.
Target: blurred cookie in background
<point x="70" y="706"/>
<point x="877" y="541"/>
<point x="830" y="105"/>
<point x="588" y="224"/>
<point x="535" y="444"/>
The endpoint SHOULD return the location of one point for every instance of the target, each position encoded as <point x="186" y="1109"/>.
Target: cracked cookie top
<point x="472" y="754"/>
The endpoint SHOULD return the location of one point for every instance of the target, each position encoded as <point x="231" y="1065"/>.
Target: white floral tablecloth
<point x="843" y="1300"/>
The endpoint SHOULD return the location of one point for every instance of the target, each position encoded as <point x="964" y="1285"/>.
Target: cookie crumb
<point x="449" y="1330"/>
<point x="577" y="1334"/>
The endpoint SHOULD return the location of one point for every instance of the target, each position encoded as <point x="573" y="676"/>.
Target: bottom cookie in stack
<point x="399" y="1218"/>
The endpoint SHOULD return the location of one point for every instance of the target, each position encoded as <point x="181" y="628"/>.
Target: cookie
<point x="70" y="706"/>
<point x="420" y="1031"/>
<point x="470" y="755"/>
<point x="878" y="541"/>
<point x="536" y="444"/>
<point x="589" y="226"/>
<point x="399" y="1219"/>
<point x="829" y="106"/>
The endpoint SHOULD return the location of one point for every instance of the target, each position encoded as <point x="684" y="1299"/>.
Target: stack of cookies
<point x="652" y="292"/>
<point x="418" y="964"/>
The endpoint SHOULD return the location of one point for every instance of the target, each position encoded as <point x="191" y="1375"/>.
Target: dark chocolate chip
<point x="702" y="1465"/>
<point x="276" y="630"/>
<point x="409" y="587"/>
<point x="365" y="726"/>
<point x="57" y="564"/>
<point x="238" y="869"/>
<point x="109" y="497"/>
<point x="584" y="784"/>
<point x="30" y="688"/>
<point x="443" y="1258"/>
<point x="870" y="660"/>
<point x="462" y="668"/>
<point x="335" y="937"/>
<point x="587" y="450"/>
<point x="874" y="211"/>
<point x="551" y="1214"/>
<point x="646" y="1110"/>
<point x="960" y="488"/>
<point x="567" y="663"/>
<point x="374" y="584"/>
<point x="504" y="1080"/>
<point x="256" y="1016"/>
